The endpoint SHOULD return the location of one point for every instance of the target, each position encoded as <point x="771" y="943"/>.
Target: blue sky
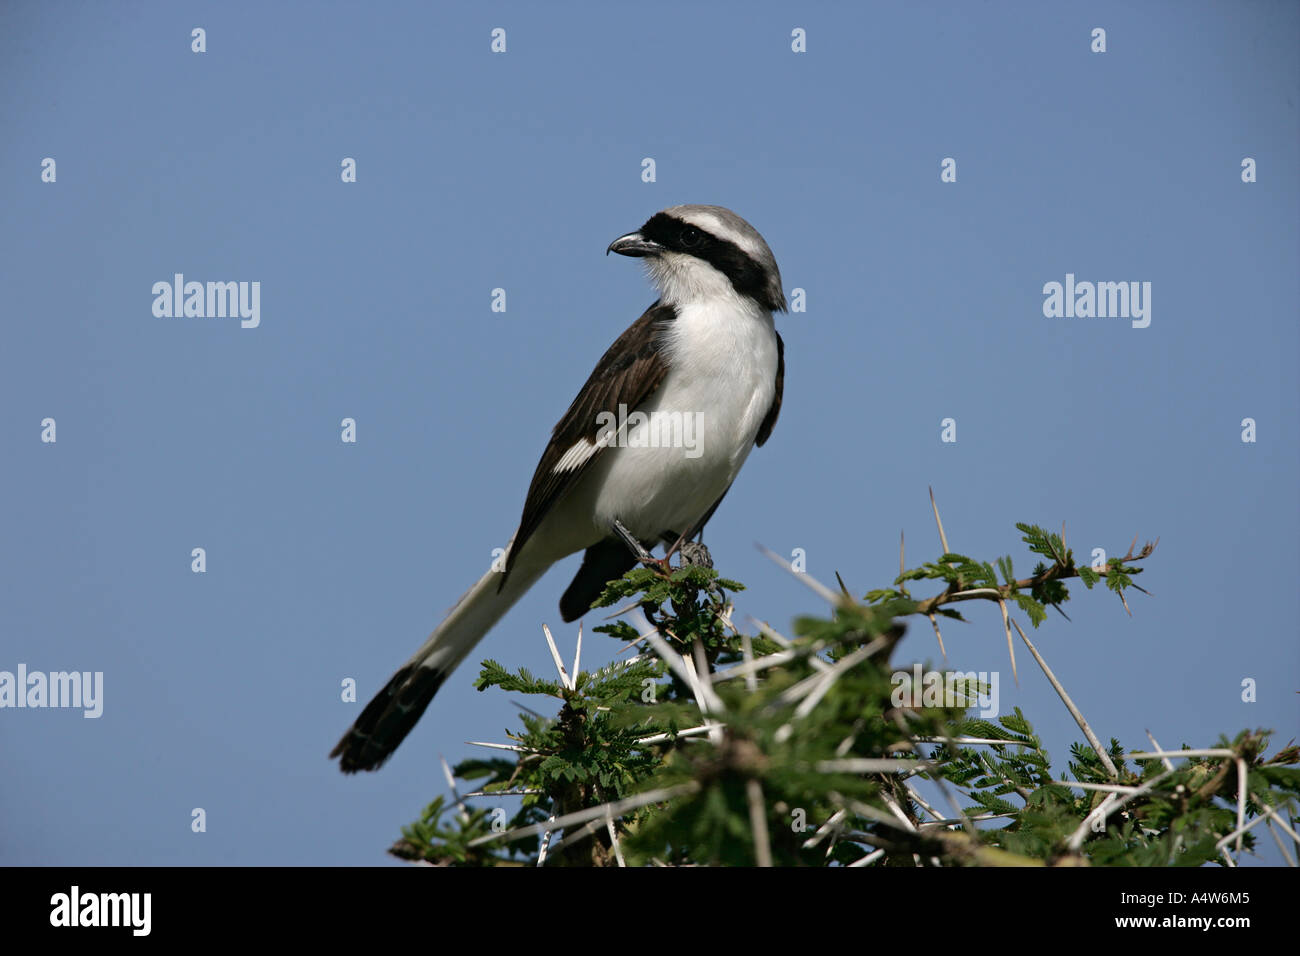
<point x="478" y="171"/>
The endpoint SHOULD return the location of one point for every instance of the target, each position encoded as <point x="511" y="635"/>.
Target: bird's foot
<point x="695" y="553"/>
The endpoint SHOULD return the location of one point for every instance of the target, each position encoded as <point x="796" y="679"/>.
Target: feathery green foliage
<point x="828" y="751"/>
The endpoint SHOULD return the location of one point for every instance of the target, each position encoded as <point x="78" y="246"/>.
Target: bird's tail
<point x="389" y="717"/>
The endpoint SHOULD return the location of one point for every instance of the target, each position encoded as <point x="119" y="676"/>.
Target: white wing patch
<point x="579" y="454"/>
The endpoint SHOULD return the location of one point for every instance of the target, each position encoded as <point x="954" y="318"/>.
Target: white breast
<point x="720" y="385"/>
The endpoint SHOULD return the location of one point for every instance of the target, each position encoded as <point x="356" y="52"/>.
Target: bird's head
<point x="695" y="253"/>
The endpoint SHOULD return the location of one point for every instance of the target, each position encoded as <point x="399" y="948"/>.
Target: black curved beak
<point x="634" y="244"/>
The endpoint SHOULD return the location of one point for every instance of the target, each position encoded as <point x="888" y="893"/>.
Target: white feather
<point x="577" y="455"/>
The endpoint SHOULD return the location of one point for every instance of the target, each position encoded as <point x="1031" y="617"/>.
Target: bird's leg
<point x="638" y="550"/>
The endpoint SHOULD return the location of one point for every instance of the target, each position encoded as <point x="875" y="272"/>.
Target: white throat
<point x="684" y="280"/>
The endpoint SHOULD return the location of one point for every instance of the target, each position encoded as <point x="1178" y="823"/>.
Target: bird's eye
<point x="691" y="237"/>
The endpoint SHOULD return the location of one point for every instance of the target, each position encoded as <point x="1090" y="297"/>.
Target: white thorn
<point x="555" y="655"/>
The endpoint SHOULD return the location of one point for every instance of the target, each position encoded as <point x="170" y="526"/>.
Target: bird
<point x="704" y="366"/>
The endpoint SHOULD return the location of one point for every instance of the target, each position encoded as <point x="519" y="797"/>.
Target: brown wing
<point x="628" y="373"/>
<point x="769" y="421"/>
